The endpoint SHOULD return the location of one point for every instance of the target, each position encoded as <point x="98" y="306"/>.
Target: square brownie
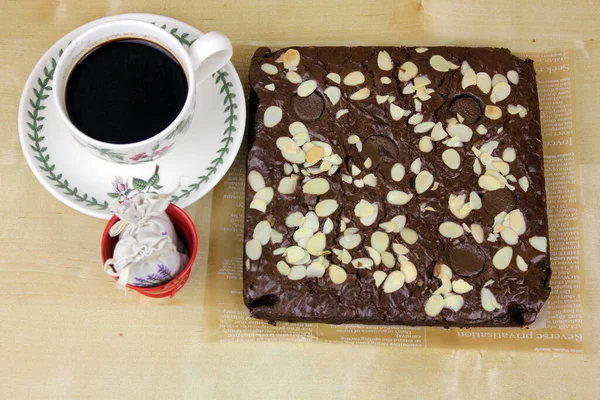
<point x="395" y="185"/>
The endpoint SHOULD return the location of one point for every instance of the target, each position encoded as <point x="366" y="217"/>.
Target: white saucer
<point x="86" y="183"/>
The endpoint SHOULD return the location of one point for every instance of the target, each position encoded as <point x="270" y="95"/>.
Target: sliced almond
<point x="315" y="270"/>
<point x="258" y="204"/>
<point x="512" y="109"/>
<point x="482" y="130"/>
<point x="379" y="277"/>
<point x="389" y="226"/>
<point x="306" y="88"/>
<point x="314" y="155"/>
<point x="311" y="221"/>
<point x="380" y="241"/>
<point x="354" y="170"/>
<point x="489" y="182"/>
<point x="498" y="78"/>
<point x="361" y="94"/>
<point x="438" y="133"/>
<point x="425" y="144"/>
<point x="509" y="236"/>
<point x="469" y="79"/>
<point x="293" y="77"/>
<point x="276" y="237"/>
<point x="341" y="113"/>
<point x="540" y="243"/>
<point x="316" y="244"/>
<point x="337" y="274"/>
<point x="409" y="270"/>
<point x="354" y="78"/>
<point x="463" y="132"/>
<point x="359" y="183"/>
<point x="502" y="258"/>
<point x="262" y="232"/>
<point x="396" y="112"/>
<point x="451" y="158"/>
<point x="350" y="241"/>
<point x="493" y="112"/>
<point x="397" y="172"/>
<point x="400" y="249"/>
<point x="346" y="257"/>
<point x="297" y="272"/>
<point x="409" y="235"/>
<point x="393" y="282"/>
<point x="421" y="49"/>
<point x="451" y="230"/>
<point x="464" y="67"/>
<point x="421" y="81"/>
<point x="461" y="286"/>
<point x="434" y="305"/>
<point x="524" y="183"/>
<point x="517" y="221"/>
<point x="283" y="268"/>
<point x="407" y="71"/>
<point x="423" y="181"/>
<point x="484" y="82"/>
<point x="439" y="63"/>
<point x="388" y="259"/>
<point x="253" y="249"/>
<point x="332" y="76"/>
<point x="488" y="300"/>
<point x="256" y="180"/>
<point x="381" y="99"/>
<point x="384" y="61"/>
<point x="294" y="219"/>
<point x="347" y="179"/>
<point x="500" y="92"/>
<point x="334" y="94"/>
<point x="362" y="263"/>
<point x="272" y="116"/>
<point x="364" y="209"/>
<point x="440" y="270"/>
<point x="269" y="69"/>
<point x="474" y="201"/>
<point x="316" y="186"/>
<point x="325" y="208"/>
<point x="454" y="302"/>
<point x="374" y="255"/>
<point x="287" y="168"/>
<point x="513" y="77"/>
<point x="415" y="119"/>
<point x="370" y="180"/>
<point x="408" y="89"/>
<point x="424" y="127"/>
<point x="295" y="254"/>
<point x="477" y="167"/>
<point x="270" y="87"/>
<point x="287" y="145"/>
<point x="400" y="221"/>
<point x="398" y="198"/>
<point x="291" y="59"/>
<point x="385" y="80"/>
<point x="415" y="166"/>
<point x="521" y="264"/>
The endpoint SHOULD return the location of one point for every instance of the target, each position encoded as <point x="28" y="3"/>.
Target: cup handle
<point x="209" y="53"/>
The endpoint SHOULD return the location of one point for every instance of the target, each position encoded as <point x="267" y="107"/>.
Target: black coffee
<point x="125" y="91"/>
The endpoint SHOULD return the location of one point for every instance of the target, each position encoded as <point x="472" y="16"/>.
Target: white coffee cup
<point x="205" y="56"/>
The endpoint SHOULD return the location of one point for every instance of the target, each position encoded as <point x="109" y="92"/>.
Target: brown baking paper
<point x="559" y="327"/>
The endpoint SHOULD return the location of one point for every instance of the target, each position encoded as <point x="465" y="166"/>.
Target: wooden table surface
<point x="65" y="332"/>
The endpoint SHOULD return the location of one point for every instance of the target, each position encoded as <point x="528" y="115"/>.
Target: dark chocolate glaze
<point x="270" y="295"/>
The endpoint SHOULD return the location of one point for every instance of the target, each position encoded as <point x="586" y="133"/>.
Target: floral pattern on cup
<point x="156" y="152"/>
<point x="123" y="191"/>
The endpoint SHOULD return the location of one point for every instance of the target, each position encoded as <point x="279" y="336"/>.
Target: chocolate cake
<point x="395" y="185"/>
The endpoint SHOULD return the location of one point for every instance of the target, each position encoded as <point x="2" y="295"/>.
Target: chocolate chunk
<point x="308" y="108"/>
<point x="497" y="201"/>
<point x="468" y="108"/>
<point x="380" y="149"/>
<point x="467" y="260"/>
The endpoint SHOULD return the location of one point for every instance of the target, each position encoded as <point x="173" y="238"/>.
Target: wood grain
<point x="67" y="333"/>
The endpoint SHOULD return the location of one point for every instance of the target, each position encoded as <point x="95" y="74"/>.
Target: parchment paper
<point x="560" y="324"/>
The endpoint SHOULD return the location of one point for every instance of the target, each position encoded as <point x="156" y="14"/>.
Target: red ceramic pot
<point x="187" y="232"/>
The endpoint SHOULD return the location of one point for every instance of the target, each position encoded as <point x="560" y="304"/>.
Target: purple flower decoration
<point x="163" y="233"/>
<point x="119" y="186"/>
